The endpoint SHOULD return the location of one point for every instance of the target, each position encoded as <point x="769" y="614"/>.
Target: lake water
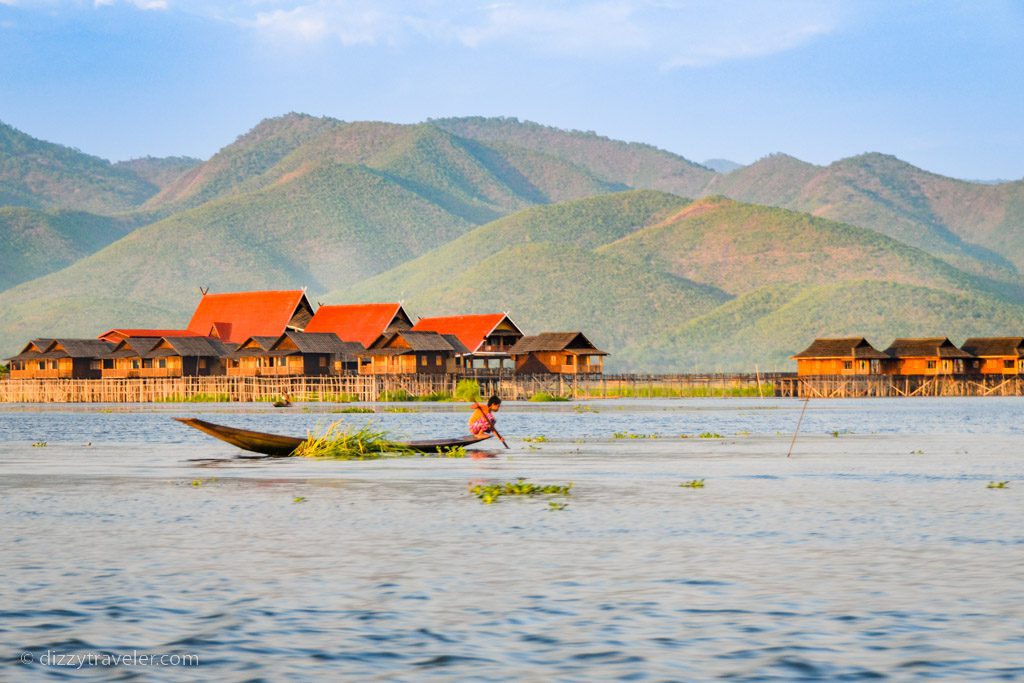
<point x="876" y="551"/>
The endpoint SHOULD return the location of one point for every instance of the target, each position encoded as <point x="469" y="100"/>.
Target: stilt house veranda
<point x="840" y="356"/>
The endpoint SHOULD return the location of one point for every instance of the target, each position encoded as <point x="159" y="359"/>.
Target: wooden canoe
<point x="277" y="444"/>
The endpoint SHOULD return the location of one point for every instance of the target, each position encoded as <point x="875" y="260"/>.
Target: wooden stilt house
<point x="128" y="358"/>
<point x="926" y="356"/>
<point x="996" y="355"/>
<point x="252" y="358"/>
<point x="71" y="359"/>
<point x="841" y="356"/>
<point x="292" y="354"/>
<point x="411" y="352"/>
<point x="313" y="353"/>
<point x="29" y="363"/>
<point x="489" y="337"/>
<point x="560" y="353"/>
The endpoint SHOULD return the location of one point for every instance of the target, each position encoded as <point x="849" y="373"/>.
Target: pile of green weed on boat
<point x="345" y="442"/>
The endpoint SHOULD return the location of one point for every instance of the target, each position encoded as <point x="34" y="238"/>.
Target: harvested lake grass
<point x="341" y="442"/>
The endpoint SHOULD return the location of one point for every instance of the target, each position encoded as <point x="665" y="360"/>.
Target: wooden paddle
<point x="487" y="416"/>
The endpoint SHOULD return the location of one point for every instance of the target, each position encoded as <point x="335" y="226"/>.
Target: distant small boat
<point x="280" y="445"/>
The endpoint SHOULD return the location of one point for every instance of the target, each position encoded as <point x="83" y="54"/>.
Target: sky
<point x="937" y="83"/>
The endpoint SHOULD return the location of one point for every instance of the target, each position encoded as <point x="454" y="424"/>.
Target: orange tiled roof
<point x="118" y="333"/>
<point x="471" y="330"/>
<point x="236" y="316"/>
<point x="362" y="323"/>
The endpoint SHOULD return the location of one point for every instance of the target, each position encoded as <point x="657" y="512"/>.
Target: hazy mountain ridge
<point x="535" y="216"/>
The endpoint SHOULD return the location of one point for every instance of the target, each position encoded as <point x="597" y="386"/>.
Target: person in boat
<point x="481" y="422"/>
<point x="284" y="401"/>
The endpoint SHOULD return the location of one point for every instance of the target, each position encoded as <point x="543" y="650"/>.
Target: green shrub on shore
<point x="545" y="397"/>
<point x="395" y="395"/>
<point x="467" y="390"/>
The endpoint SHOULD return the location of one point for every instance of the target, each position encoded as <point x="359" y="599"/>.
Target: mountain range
<point x="668" y="264"/>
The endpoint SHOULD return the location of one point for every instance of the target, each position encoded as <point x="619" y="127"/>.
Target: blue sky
<point x="938" y="84"/>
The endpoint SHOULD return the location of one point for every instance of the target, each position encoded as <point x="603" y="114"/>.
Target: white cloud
<point x="671" y="33"/>
<point x="138" y="4"/>
<point x="350" y="23"/>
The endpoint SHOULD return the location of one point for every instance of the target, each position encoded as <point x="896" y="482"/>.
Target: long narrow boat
<point x="277" y="444"/>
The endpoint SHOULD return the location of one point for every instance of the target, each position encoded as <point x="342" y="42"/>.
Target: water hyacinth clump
<point x="488" y="493"/>
<point x="338" y="442"/>
<point x="693" y="484"/>
<point x="998" y="485"/>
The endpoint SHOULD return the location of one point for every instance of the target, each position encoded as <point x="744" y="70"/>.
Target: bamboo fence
<point x="515" y="387"/>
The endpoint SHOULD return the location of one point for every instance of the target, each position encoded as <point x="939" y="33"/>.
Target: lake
<point x="876" y="551"/>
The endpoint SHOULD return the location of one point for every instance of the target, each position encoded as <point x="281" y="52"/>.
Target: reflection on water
<point x="875" y="551"/>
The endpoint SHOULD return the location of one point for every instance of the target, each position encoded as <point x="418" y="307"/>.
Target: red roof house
<point x="487" y="336"/>
<point x="363" y="323"/>
<point x="236" y="316"/>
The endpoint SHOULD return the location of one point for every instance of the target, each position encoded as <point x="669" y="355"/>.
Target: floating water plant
<point x="693" y="484"/>
<point x="535" y="439"/>
<point x="579" y="408"/>
<point x="711" y="435"/>
<point x="299" y="499"/>
<point x="631" y="435"/>
<point x="998" y="485"/>
<point x="199" y="482"/>
<point x="338" y="442"/>
<point x="552" y="505"/>
<point x="917" y="452"/>
<point x="488" y="493"/>
<point x="39" y="444"/>
<point x="835" y="435"/>
<point x="354" y="409"/>
<point x="452" y="452"/>
<point x="400" y="410"/>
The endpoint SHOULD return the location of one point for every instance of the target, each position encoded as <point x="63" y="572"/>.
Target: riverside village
<point x="257" y="345"/>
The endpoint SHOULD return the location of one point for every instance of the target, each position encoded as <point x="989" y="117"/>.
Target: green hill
<point x="630" y="164"/>
<point x="649" y="275"/>
<point x="159" y="171"/>
<point x="43" y="175"/>
<point x="324" y="230"/>
<point x="739" y="247"/>
<point x="768" y="325"/>
<point x="34" y="243"/>
<point x="973" y="226"/>
<point x="581" y="223"/>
